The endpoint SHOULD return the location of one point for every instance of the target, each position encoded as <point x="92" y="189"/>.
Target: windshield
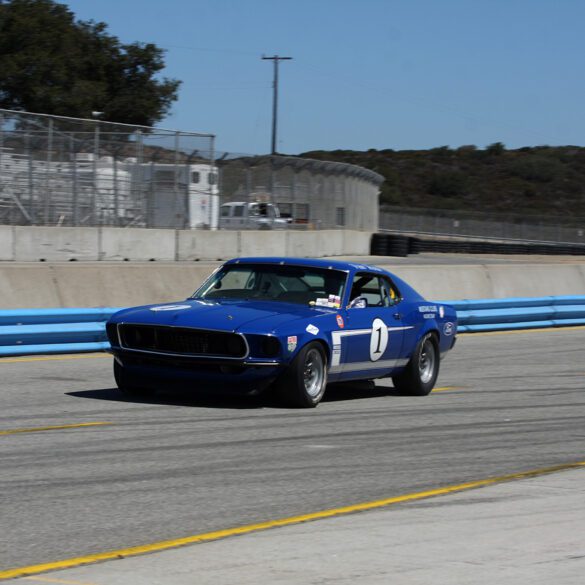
<point x="262" y="210"/>
<point x="289" y="284"/>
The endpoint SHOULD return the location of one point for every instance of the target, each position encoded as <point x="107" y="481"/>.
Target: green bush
<point x="448" y="184"/>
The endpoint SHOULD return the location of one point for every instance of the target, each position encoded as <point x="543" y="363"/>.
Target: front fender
<point x="300" y="340"/>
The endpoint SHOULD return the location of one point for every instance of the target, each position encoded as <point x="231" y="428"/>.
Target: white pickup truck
<point x="257" y="215"/>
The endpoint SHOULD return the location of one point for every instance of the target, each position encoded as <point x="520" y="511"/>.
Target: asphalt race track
<point x="177" y="465"/>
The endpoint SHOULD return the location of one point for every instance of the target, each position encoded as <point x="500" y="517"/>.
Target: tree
<point x="50" y="63"/>
<point x="496" y="149"/>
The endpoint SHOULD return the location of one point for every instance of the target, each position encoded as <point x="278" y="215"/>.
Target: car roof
<point x="309" y="262"/>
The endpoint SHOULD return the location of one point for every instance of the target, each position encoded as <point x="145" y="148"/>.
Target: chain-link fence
<point x="482" y="225"/>
<point x="70" y="172"/>
<point x="57" y="171"/>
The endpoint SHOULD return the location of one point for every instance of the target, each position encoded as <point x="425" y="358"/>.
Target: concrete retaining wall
<point x="6" y="243"/>
<point x="97" y="284"/>
<point x="202" y="245"/>
<point x="119" y="284"/>
<point x="54" y="244"/>
<point x="136" y="244"/>
<point x="31" y="244"/>
<point x="494" y="281"/>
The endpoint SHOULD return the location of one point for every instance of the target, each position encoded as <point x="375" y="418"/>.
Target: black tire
<point x="398" y="245"/>
<point x="304" y="382"/>
<point x="379" y="245"/>
<point x="126" y="385"/>
<point x="415" y="246"/>
<point x="420" y="375"/>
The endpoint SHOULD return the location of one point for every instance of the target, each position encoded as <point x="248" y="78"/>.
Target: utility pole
<point x="275" y="60"/>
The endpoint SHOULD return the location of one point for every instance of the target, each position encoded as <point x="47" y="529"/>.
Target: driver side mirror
<point x="358" y="303"/>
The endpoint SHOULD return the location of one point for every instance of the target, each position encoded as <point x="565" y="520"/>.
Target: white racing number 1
<point x="378" y="340"/>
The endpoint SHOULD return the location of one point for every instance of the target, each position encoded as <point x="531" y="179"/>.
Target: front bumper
<point x="163" y="371"/>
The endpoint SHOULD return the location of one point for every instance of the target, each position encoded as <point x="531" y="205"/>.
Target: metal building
<point x="313" y="193"/>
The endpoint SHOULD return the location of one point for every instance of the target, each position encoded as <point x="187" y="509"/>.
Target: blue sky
<point x="401" y="74"/>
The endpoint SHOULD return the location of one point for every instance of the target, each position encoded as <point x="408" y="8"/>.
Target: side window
<point x="390" y="293"/>
<point x="376" y="290"/>
<point x="225" y="211"/>
<point x="373" y="293"/>
<point x="238" y="211"/>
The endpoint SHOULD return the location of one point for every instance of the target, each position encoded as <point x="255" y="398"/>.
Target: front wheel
<point x="303" y="385"/>
<point x="420" y="375"/>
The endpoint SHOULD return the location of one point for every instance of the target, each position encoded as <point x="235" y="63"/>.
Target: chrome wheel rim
<point x="313" y="372"/>
<point x="426" y="361"/>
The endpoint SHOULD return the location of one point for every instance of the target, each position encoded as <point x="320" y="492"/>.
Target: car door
<point x="370" y="342"/>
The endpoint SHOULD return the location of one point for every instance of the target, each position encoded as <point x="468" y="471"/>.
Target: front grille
<point x="183" y="341"/>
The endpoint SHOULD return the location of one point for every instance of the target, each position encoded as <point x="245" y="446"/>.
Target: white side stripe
<point x="350" y="332"/>
<point x="336" y="340"/>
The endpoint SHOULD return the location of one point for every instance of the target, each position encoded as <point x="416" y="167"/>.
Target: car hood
<point x="253" y="316"/>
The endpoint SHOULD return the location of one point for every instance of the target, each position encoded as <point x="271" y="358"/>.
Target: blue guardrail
<point x="519" y="313"/>
<point x="51" y="331"/>
<point x="47" y="331"/>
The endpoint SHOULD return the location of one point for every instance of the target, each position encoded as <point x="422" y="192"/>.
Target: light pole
<point x="275" y="59"/>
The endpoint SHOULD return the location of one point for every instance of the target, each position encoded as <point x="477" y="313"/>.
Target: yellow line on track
<point x="54" y="428"/>
<point x="447" y="388"/>
<point x="209" y="536"/>
<point x="52" y="358"/>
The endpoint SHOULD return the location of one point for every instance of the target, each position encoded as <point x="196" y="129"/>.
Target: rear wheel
<point x="303" y="385"/>
<point x="420" y="375"/>
<point x="127" y="385"/>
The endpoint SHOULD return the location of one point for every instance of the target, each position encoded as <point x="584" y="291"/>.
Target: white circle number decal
<point x="379" y="339"/>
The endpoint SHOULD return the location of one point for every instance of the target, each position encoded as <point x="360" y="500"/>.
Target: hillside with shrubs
<point x="540" y="180"/>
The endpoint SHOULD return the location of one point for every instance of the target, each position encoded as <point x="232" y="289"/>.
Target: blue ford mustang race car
<point x="288" y="323"/>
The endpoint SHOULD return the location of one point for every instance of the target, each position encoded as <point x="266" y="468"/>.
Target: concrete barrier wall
<point x="97" y="284"/>
<point x="54" y="244"/>
<point x="494" y="281"/>
<point x="120" y="284"/>
<point x="31" y="244"/>
<point x="263" y="243"/>
<point x="202" y="245"/>
<point x="6" y="243"/>
<point x="137" y="244"/>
